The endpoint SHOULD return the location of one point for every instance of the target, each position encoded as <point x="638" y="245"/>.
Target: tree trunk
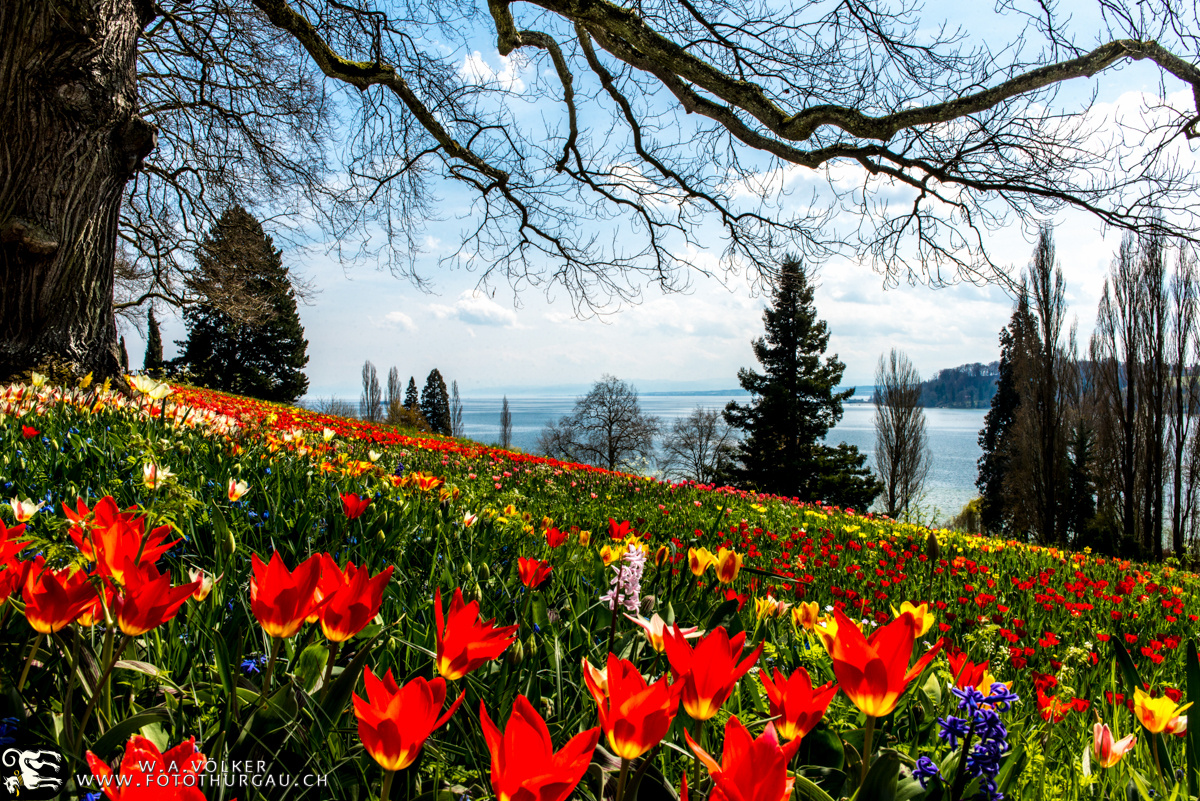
<point x="71" y="140"/>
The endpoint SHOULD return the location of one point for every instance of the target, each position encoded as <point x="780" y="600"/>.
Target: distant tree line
<point x="968" y="386"/>
<point x="1103" y="451"/>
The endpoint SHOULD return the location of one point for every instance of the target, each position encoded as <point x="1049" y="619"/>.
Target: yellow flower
<point x="769" y="607"/>
<point x="826" y="629"/>
<point x="661" y="554"/>
<point x="920" y="615"/>
<point x="509" y="511"/>
<point x="37" y="379"/>
<point x="699" y="560"/>
<point x="610" y="554"/>
<point x="585" y="537"/>
<point x="1155" y="714"/>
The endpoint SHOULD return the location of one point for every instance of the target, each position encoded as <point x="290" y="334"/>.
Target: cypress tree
<point x="410" y="395"/>
<point x="998" y="422"/>
<point x="262" y="359"/>
<point x="435" y="403"/>
<point x="124" y="357"/>
<point x="794" y="404"/>
<point x="152" y="362"/>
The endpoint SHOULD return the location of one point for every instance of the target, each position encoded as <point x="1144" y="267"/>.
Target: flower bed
<point x="254" y="600"/>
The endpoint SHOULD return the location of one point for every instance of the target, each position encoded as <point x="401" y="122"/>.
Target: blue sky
<point x="696" y="340"/>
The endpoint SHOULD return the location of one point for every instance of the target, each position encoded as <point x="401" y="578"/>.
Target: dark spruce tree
<point x="998" y="422"/>
<point x="435" y="403"/>
<point x="794" y="404"/>
<point x="152" y="362"/>
<point x="261" y="359"/>
<point x="411" y="401"/>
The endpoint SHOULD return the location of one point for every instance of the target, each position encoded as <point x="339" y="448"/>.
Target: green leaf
<point x="540" y="617"/>
<point x="882" y="779"/>
<point x="1014" y="763"/>
<point x="726" y="615"/>
<point x="822" y="748"/>
<point x="118" y="734"/>
<point x="310" y="665"/>
<point x="806" y="790"/>
<point x="338" y="697"/>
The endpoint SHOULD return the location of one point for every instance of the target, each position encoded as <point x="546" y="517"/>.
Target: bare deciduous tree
<point x="902" y="455"/>
<point x="1184" y="394"/>
<point x="607" y="428"/>
<point x="370" y="403"/>
<point x="456" y="411"/>
<point x="395" y="389"/>
<point x="696" y="446"/>
<point x="167" y="112"/>
<point x="505" y="424"/>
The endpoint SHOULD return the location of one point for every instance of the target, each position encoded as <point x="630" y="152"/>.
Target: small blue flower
<point x="925" y="770"/>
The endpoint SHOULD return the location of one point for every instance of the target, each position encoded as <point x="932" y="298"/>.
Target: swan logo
<point x="32" y="775"/>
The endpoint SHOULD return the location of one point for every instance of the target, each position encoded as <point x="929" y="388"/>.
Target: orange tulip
<point x="354" y="604"/>
<point x="10" y="546"/>
<point x="146" y="773"/>
<point x="1106" y="751"/>
<point x="463" y="642"/>
<point x="54" y="598"/>
<point x="874" y="672"/>
<point x="709" y="672"/>
<point x="533" y="573"/>
<point x="805" y="615"/>
<point x="729" y="563"/>
<point x="148" y="600"/>
<point x="750" y="769"/>
<point x="395" y="722"/>
<point x="699" y="560"/>
<point x="634" y="715"/>
<point x="524" y="764"/>
<point x="282" y="600"/>
<point x="1156" y="714"/>
<point x="797" y="706"/>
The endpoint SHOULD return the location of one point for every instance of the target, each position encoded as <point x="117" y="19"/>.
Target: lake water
<point x="953" y="434"/>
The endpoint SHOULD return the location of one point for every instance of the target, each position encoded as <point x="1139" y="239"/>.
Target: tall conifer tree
<point x="411" y="401"/>
<point x="795" y="404"/>
<point x="435" y="403"/>
<point x="152" y="362"/>
<point x="265" y="358"/>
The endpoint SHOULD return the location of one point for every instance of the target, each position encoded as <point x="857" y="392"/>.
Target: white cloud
<point x="475" y="307"/>
<point x="402" y="320"/>
<point x="476" y="70"/>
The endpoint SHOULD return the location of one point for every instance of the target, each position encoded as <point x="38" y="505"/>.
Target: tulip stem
<point x="386" y="790"/>
<point x="333" y="652"/>
<point x="37" y="641"/>
<point x="1157" y="764"/>
<point x="621" y="781"/>
<point x="269" y="673"/>
<point x="103" y="683"/>
<point x="868" y="734"/>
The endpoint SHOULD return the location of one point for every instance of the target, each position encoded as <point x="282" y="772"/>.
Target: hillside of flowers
<point x="208" y="597"/>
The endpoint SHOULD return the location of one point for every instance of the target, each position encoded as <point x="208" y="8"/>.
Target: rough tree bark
<point x="72" y="139"/>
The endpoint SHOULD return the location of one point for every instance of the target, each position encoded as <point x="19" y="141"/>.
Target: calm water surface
<point x="953" y="434"/>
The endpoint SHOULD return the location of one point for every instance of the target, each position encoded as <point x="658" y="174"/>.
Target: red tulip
<point x="618" y="531"/>
<point x="148" y="600"/>
<point x="798" y="707"/>
<point x="874" y="672"/>
<point x="282" y="600"/>
<point x="353" y="505"/>
<point x="750" y="769"/>
<point x="12" y="577"/>
<point x="709" y="672"/>
<point x="109" y="536"/>
<point x="149" y="775"/>
<point x="463" y="642"/>
<point x="54" y="598"/>
<point x="533" y="573"/>
<point x="524" y="764"/>
<point x="29" y="432"/>
<point x="555" y="538"/>
<point x="354" y="604"/>
<point x="1106" y="749"/>
<point x="395" y="722"/>
<point x="634" y="715"/>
